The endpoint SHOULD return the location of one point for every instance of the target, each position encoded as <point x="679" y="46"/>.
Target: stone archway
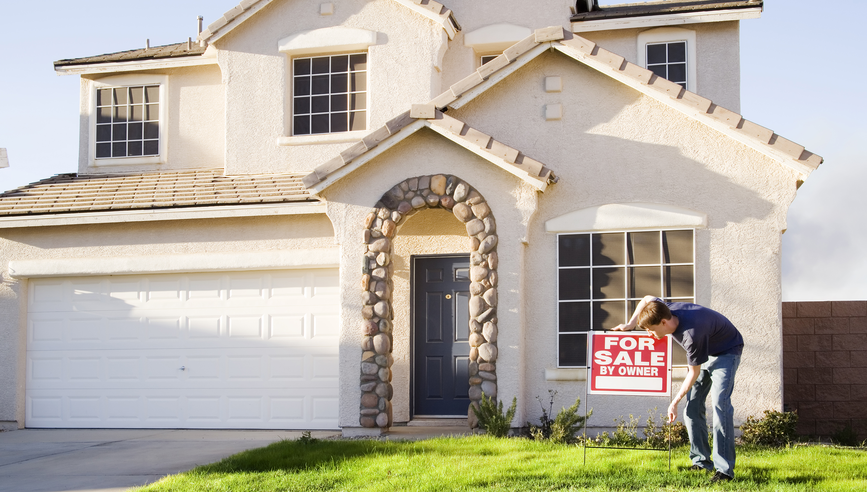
<point x="380" y="228"/>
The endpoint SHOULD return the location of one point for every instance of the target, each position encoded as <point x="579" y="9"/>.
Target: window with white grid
<point x="329" y="94"/>
<point x="603" y="276"/>
<point x="127" y="121"/>
<point x="668" y="60"/>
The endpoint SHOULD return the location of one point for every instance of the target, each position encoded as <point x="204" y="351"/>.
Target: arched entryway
<point x="380" y="228"/>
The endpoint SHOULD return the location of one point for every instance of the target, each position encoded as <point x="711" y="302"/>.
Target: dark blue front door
<point x="441" y="333"/>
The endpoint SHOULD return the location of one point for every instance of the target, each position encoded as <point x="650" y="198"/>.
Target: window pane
<point x="151" y="147"/>
<point x="678" y="281"/>
<point x="103" y="97"/>
<point x="320" y="84"/>
<point x="659" y="70"/>
<point x="676" y="52"/>
<point x="358" y="101"/>
<point x="137" y="113"/>
<point x="118" y="149"/>
<point x="152" y="112"/>
<point x="644" y="281"/>
<point x="301" y="125"/>
<point x="302" y="105"/>
<point x="118" y="132"/>
<point x="103" y="133"/>
<point x="319" y="104"/>
<point x="339" y="63"/>
<point x="136" y="95"/>
<point x="462" y="274"/>
<point x="103" y="150"/>
<point x="677" y="72"/>
<point x="320" y="65"/>
<point x="120" y="95"/>
<point x="358" y="121"/>
<point x="135" y="131"/>
<point x="609" y="283"/>
<point x="608" y="249"/>
<point x="574" y="250"/>
<point x="134" y="148"/>
<point x="152" y="94"/>
<point x="103" y="115"/>
<point x="608" y="314"/>
<point x="573" y="350"/>
<point x="574" y="316"/>
<point x="358" y="82"/>
<point x="319" y="123"/>
<point x="339" y="82"/>
<point x="358" y="62"/>
<point x="152" y="129"/>
<point x="119" y="114"/>
<point x="574" y="284"/>
<point x="302" y="86"/>
<point x="643" y="248"/>
<point x="339" y="122"/>
<point x="339" y="102"/>
<point x="301" y="66"/>
<point x="656" y="53"/>
<point x="677" y="246"/>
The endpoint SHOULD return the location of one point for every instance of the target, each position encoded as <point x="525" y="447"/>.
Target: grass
<point x="486" y="463"/>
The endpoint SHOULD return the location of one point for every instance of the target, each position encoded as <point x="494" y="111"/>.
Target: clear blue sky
<point x="799" y="77"/>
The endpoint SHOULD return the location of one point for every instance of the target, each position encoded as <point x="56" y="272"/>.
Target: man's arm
<point x="691" y="376"/>
<point x="633" y="321"/>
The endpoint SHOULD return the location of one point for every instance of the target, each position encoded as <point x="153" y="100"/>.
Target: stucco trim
<point x="149" y="215"/>
<point x="201" y="262"/>
<point x="495" y="37"/>
<point x="327" y="40"/>
<point x="626" y="216"/>
<point x="667" y="20"/>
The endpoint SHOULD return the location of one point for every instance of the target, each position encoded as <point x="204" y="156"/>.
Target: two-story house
<point x="363" y="213"/>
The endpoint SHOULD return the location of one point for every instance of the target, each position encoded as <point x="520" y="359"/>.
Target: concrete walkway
<point x="34" y="460"/>
<point x="103" y="460"/>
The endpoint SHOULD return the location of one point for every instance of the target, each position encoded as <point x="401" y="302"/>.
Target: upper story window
<point x="603" y="276"/>
<point x="670" y="53"/>
<point x="329" y="94"/>
<point x="127" y="121"/>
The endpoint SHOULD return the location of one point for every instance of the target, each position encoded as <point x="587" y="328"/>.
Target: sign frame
<point x="594" y="370"/>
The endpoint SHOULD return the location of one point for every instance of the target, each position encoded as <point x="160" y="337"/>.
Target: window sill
<point x="325" y="138"/>
<point x="126" y="161"/>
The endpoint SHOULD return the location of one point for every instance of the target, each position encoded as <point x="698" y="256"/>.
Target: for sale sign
<point x="629" y="364"/>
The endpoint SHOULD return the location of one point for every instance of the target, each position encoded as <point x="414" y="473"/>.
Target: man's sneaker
<point x="698" y="468"/>
<point x="720" y="477"/>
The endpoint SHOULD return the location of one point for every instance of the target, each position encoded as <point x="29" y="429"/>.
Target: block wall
<point x="825" y="365"/>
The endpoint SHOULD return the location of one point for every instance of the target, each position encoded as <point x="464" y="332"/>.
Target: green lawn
<point x="485" y="463"/>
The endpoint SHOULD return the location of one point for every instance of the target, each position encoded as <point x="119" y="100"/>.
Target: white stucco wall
<point x="195" y="125"/>
<point x="154" y="240"/>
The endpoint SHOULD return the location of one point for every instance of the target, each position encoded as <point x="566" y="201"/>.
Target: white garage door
<point x="224" y="350"/>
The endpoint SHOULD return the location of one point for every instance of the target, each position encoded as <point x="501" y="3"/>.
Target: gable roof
<point x="70" y="193"/>
<point x="426" y="116"/>
<point x="663" y="8"/>
<point x="728" y="122"/>
<point x="244" y="10"/>
<point x="168" y="51"/>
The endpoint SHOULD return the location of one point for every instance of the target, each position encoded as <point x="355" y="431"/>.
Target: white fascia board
<point x="686" y="109"/>
<point x="539" y="184"/>
<point x="667" y="20"/>
<point x="189" y="263"/>
<point x="150" y="215"/>
<point x="135" y="66"/>
<point x="226" y="29"/>
<point x="442" y="20"/>
<point x="524" y="59"/>
<point x="368" y="156"/>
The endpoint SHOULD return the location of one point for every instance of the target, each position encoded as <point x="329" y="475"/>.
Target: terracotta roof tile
<point x="67" y="193"/>
<point x="663" y="8"/>
<point x="176" y="50"/>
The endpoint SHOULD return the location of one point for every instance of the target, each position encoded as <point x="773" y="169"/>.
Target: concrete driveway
<point x="35" y="460"/>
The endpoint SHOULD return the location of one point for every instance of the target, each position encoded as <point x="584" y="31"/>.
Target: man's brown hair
<point x="653" y="314"/>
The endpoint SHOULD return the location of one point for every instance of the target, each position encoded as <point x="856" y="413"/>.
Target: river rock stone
<point x="381" y="289"/>
<point x="493" y="260"/>
<point x="382" y="420"/>
<point x="368" y="298"/>
<point x="486" y="315"/>
<point x="487" y="366"/>
<point x="388" y="228"/>
<point x="365" y="280"/>
<point x="474" y="198"/>
<point x="475" y="380"/>
<point x="368" y="221"/>
<point x="366" y="412"/>
<point x="489" y="376"/>
<point x="365" y="236"/>
<point x="491" y="297"/>
<point x="478" y="273"/>
<point x="461" y="192"/>
<point x="475" y="393"/>
<point x="412" y="183"/>
<point x="488" y="244"/>
<point x="381" y="245"/>
<point x="368" y="422"/>
<point x="367" y="387"/>
<point x="489" y="388"/>
<point x="475" y="326"/>
<point x="490" y="225"/>
<point x="369" y="368"/>
<point x="381" y="309"/>
<point x="367" y="343"/>
<point x="474" y="353"/>
<point x="385" y="374"/>
<point x="382" y="343"/>
<point x="368" y="355"/>
<point x="379" y="273"/>
<point x="418" y="202"/>
<point x="404" y="207"/>
<point x="473" y="368"/>
<point x="369" y="327"/>
<point x="481" y="210"/>
<point x="474" y="227"/>
<point x="474" y="243"/>
<point x="462" y="211"/>
<point x="476" y="288"/>
<point x="385" y="326"/>
<point x="490" y="331"/>
<point x="477" y="306"/>
<point x="432" y="200"/>
<point x="488" y="352"/>
<point x="476" y="339"/>
<point x="447" y="202"/>
<point x="424" y="182"/>
<point x="367" y="312"/>
<point x="438" y="184"/>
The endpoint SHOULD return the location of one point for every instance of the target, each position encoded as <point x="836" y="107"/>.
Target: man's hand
<point x="672" y="412"/>
<point x="623" y="327"/>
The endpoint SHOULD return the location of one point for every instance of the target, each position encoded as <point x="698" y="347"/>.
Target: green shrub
<point x="491" y="416"/>
<point x="657" y="436"/>
<point x="774" y="429"/>
<point x="562" y="428"/>
<point x="625" y="434"/>
<point x="845" y="436"/>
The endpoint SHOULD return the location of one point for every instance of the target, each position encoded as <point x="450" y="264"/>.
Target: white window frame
<point x="627" y="300"/>
<point x="128" y="81"/>
<point x="669" y="35"/>
<point x="291" y="97"/>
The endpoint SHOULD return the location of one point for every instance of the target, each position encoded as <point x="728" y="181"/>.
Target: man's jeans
<point x="717" y="377"/>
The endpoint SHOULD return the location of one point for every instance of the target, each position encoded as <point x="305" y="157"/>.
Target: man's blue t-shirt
<point x="703" y="332"/>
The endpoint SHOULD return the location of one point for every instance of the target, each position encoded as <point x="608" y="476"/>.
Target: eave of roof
<point x="169" y="51"/>
<point x="664" y="8"/>
<point x="71" y="194"/>
<point x="244" y="10"/>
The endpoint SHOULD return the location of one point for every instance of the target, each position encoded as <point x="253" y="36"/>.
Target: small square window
<point x="668" y="60"/>
<point x="125" y="125"/>
<point x="329" y="94"/>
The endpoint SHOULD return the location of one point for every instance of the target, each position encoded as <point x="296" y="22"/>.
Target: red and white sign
<point x="629" y="364"/>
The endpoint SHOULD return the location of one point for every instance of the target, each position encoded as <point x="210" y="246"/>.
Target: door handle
<point x="183" y="368"/>
<point x="448" y="296"/>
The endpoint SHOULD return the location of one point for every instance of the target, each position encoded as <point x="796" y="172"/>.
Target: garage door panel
<point x="250" y="350"/>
